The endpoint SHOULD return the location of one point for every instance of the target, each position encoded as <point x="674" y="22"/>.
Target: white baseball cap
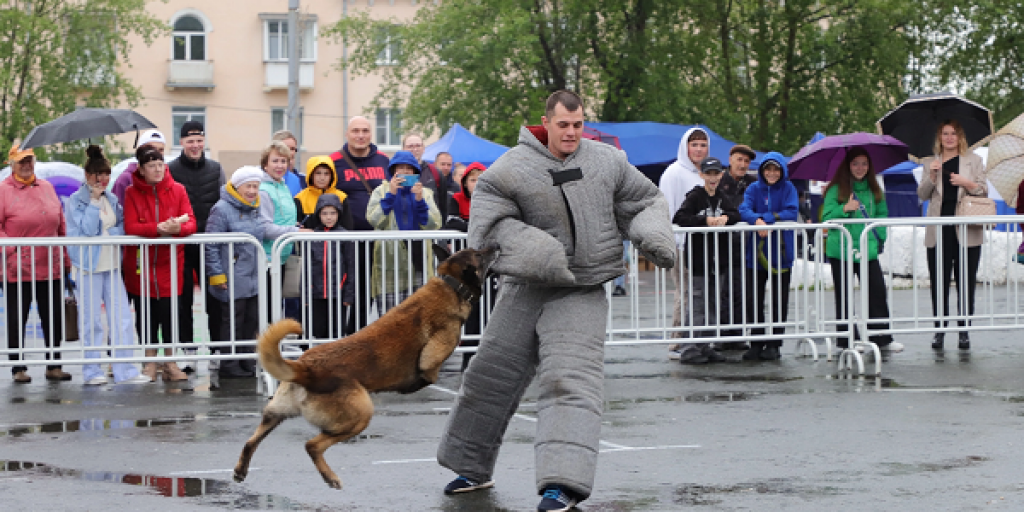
<point x="152" y="136"/>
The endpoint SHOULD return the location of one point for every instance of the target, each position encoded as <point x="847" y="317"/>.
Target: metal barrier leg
<point x="805" y="344"/>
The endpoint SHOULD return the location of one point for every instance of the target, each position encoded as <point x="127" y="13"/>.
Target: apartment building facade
<point x="225" y="64"/>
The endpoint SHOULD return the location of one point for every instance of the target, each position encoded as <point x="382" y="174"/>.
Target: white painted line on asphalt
<point x="208" y="471"/>
<point x="640" y="448"/>
<point x="402" y="461"/>
<point x="615" y="446"/>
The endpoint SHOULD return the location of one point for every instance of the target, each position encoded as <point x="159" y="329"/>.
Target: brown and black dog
<point x="330" y="384"/>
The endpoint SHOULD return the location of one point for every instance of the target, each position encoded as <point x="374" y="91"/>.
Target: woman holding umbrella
<point x="854" y="193"/>
<point x="944" y="189"/>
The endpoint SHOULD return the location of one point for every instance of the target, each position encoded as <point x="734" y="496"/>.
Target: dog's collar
<point x="461" y="289"/>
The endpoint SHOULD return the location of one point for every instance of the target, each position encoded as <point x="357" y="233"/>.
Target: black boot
<point x="965" y="342"/>
<point x="754" y="354"/>
<point x="771" y="353"/>
<point x="937" y="341"/>
<point x="231" y="369"/>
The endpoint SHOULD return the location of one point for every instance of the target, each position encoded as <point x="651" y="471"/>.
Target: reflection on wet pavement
<point x="714" y="494"/>
<point x="95" y="424"/>
<point x="220" y="493"/>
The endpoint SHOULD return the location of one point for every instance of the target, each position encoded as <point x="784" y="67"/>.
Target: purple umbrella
<point x="64" y="185"/>
<point x="819" y="161"/>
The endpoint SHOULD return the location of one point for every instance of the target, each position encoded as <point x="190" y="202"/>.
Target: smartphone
<point x="410" y="180"/>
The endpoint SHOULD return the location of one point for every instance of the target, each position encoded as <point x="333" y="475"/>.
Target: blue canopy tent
<point x="901" y="190"/>
<point x="651" y="147"/>
<point x="465" y="147"/>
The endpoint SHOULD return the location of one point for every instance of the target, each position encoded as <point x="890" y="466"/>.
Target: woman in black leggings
<point x="944" y="185"/>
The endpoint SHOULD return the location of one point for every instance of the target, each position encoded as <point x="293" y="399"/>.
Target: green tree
<point x="977" y="49"/>
<point x="765" y="72"/>
<point x="56" y="55"/>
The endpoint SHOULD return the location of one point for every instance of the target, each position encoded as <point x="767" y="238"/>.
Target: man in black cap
<point x="202" y="179"/>
<point x="712" y="262"/>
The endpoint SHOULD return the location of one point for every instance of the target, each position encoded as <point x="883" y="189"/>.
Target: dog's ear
<point x="441" y="252"/>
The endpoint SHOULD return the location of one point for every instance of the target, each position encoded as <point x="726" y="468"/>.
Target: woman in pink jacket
<point x="29" y="207"/>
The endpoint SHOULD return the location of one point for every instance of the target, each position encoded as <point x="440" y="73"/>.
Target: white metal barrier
<point x="30" y="350"/>
<point x="996" y="307"/>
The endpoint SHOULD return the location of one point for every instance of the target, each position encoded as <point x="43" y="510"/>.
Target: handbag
<point x="291" y="286"/>
<point x="973" y="206"/>
<point x="71" y="317"/>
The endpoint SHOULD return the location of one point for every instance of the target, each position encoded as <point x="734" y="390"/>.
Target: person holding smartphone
<point x="402" y="203"/>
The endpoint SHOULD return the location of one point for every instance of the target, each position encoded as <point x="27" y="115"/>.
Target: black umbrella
<point x="916" y="121"/>
<point x="86" y="123"/>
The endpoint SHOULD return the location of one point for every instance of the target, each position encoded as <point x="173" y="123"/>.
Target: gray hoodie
<point x="570" y="233"/>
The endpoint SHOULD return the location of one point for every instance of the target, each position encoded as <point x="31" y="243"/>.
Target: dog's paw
<point x="239" y="476"/>
<point x="333" y="483"/>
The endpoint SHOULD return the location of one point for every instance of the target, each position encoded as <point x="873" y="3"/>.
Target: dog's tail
<point x="270" y="351"/>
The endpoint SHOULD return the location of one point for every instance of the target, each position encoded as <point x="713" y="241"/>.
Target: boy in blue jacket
<point x="769" y="254"/>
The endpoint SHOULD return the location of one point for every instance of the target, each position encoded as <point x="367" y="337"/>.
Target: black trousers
<point x="158" y="317"/>
<point x="50" y="303"/>
<point x="192" y="272"/>
<point x="951" y="271"/>
<point x="756" y="300"/>
<point x="878" y="307"/>
<point x="246" y="321"/>
<point x="328" y="318"/>
<point x="363" y="266"/>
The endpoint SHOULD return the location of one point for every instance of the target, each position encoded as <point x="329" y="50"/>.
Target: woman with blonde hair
<point x="944" y="188"/>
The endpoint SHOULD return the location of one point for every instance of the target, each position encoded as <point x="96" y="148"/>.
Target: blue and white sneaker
<point x="555" y="499"/>
<point x="462" y="484"/>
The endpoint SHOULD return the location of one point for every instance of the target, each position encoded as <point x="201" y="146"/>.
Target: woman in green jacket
<point x="854" y="193"/>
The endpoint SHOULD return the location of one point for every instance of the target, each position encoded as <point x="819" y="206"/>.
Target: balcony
<point x="190" y="74"/>
<point x="275" y="75"/>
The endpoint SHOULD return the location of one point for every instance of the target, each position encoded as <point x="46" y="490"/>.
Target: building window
<point x="189" y="38"/>
<point x="278" y="122"/>
<point x="389" y="126"/>
<point x="275" y="38"/>
<point x="180" y="115"/>
<point x="391" y="46"/>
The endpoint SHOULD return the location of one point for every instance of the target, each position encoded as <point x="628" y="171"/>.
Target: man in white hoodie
<point x="677" y="181"/>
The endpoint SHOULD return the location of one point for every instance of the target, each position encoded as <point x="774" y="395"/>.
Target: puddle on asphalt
<point x="695" y="494"/>
<point x="220" y="493"/>
<point x="86" y="425"/>
<point x="900" y="468"/>
<point x="746" y="378"/>
<point x="54" y="401"/>
<point x="718" y="397"/>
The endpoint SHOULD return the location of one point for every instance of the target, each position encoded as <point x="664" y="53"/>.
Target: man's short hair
<point x="406" y="138"/>
<point x="445" y="153"/>
<point x="284" y="134"/>
<point x="274" y="147"/>
<point x="568" y="99"/>
<point x="697" y="134"/>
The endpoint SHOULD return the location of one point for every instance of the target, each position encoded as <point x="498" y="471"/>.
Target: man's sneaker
<point x="463" y="484"/>
<point x="713" y="356"/>
<point x="555" y="500"/>
<point x="894" y="346"/>
<point x="619" y="292"/>
<point x="97" y="381"/>
<point x="675" y="352"/>
<point x="138" y="379"/>
<point x="693" y="356"/>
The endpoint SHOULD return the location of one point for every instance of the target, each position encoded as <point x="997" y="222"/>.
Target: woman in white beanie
<point x="238" y="211"/>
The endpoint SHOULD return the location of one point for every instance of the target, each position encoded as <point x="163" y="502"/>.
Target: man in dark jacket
<point x="202" y="179"/>
<point x="735" y="182"/>
<point x="714" y="261"/>
<point x="358" y="183"/>
<point x="438" y="178"/>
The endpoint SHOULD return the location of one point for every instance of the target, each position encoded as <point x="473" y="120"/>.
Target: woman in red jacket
<point x="155" y="206"/>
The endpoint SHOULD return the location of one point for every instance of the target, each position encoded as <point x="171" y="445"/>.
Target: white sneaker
<point x="675" y="354"/>
<point x="138" y="379"/>
<point x="893" y="347"/>
<point x="96" y="381"/>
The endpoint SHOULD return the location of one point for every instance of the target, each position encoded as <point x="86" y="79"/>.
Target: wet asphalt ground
<point x="937" y="431"/>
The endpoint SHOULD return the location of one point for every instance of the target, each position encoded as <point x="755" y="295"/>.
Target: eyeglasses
<point x="413" y="146"/>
